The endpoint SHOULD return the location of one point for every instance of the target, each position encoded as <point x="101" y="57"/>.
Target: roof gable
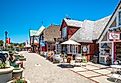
<point x="72" y="23"/>
<point x="53" y="31"/>
<point x="37" y="32"/>
<point x="90" y="30"/>
<point x="41" y="29"/>
<point x="33" y="32"/>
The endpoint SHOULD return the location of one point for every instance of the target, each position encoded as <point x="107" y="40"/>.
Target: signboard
<point x="84" y="49"/>
<point x="8" y="40"/>
<point x="114" y="36"/>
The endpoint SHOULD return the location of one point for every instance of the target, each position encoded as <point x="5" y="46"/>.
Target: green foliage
<point x="20" y="81"/>
<point x="2" y="65"/>
<point x="1" y="42"/>
<point x="84" y="60"/>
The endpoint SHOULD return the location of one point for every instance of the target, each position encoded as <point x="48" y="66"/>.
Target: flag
<point x="8" y="40"/>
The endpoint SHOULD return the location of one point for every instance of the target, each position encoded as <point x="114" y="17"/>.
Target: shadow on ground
<point x="113" y="80"/>
<point x="65" y="66"/>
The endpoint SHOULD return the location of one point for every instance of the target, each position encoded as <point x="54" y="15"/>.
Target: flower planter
<point x="22" y="59"/>
<point x="14" y="81"/>
<point x="17" y="73"/>
<point x="6" y="74"/>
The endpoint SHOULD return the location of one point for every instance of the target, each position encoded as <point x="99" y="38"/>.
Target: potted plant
<point x="2" y="65"/>
<point x="19" y="81"/>
<point x="5" y="73"/>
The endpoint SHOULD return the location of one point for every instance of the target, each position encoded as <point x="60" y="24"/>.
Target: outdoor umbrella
<point x="70" y="42"/>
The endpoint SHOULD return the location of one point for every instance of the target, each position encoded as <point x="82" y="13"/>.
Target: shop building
<point x="87" y="36"/>
<point x="36" y="38"/>
<point x="110" y="39"/>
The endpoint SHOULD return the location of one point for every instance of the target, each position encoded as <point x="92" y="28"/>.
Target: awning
<point x="71" y="42"/>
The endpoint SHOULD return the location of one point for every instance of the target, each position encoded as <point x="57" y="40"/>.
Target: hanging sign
<point x="84" y="49"/>
<point x="114" y="36"/>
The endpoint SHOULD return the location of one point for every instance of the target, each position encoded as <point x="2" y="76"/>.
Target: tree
<point x="1" y="42"/>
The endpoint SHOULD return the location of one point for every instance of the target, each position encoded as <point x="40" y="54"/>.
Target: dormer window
<point x="64" y="32"/>
<point x="119" y="18"/>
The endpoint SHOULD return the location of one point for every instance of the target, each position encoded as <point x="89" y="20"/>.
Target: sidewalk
<point x="96" y="72"/>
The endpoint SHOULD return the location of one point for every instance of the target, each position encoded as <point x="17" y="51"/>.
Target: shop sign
<point x="114" y="36"/>
<point x="84" y="49"/>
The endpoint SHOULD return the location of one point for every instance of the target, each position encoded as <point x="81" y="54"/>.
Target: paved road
<point x="46" y="72"/>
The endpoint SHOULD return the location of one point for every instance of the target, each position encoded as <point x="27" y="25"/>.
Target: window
<point x="119" y="18"/>
<point x="64" y="32"/>
<point x="58" y="48"/>
<point x="74" y="49"/>
<point x="68" y="49"/>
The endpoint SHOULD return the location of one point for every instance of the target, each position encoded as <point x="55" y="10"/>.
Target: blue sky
<point x="18" y="16"/>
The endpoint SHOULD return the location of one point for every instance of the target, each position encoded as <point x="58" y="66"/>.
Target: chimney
<point x="67" y="17"/>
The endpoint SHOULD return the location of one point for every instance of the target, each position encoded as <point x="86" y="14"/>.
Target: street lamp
<point x="6" y="33"/>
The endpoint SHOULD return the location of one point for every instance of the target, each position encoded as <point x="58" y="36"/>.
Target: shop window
<point x="58" y="48"/>
<point x="68" y="49"/>
<point x="73" y="49"/>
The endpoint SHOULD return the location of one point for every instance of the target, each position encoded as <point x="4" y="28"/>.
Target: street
<point x="40" y="70"/>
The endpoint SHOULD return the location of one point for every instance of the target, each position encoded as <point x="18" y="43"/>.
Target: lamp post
<point x="6" y="33"/>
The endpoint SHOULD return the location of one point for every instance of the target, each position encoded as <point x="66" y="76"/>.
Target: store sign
<point x="114" y="36"/>
<point x="84" y="49"/>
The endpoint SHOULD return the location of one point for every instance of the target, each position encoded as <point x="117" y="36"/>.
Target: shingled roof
<point x="33" y="32"/>
<point x="73" y="23"/>
<point x="37" y="32"/>
<point x="53" y="31"/>
<point x="90" y="30"/>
